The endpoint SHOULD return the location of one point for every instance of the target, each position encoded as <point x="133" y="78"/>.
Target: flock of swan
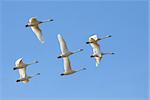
<point x="65" y="53"/>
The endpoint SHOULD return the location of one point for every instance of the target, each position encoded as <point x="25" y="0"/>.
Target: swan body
<point x="97" y="54"/>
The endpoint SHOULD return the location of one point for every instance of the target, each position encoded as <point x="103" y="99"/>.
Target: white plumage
<point x="38" y="33"/>
<point x="67" y="65"/>
<point x="34" y="24"/>
<point x="97" y="54"/>
<point x="22" y="71"/>
<point x="63" y="46"/>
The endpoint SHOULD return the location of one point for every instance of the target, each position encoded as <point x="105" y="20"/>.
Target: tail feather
<point x="97" y="61"/>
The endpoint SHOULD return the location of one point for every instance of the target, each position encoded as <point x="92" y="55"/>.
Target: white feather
<point x="38" y="33"/>
<point x="67" y="65"/>
<point x="62" y="43"/>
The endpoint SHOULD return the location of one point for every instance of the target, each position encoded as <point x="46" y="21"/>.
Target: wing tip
<point x="58" y="35"/>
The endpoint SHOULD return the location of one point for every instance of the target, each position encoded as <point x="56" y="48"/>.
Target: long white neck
<point x="34" y="62"/>
<point x="81" y="69"/>
<point x="109" y="53"/>
<point x="48" y="20"/>
<point x="78" y="51"/>
<point x="108" y="36"/>
<point x="34" y="75"/>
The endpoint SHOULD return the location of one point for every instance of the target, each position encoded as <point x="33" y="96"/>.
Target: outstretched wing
<point x="62" y="43"/>
<point x="38" y="33"/>
<point x="18" y="61"/>
<point x="67" y="64"/>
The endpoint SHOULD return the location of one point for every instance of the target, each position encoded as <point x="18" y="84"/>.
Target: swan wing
<point x="18" y="61"/>
<point x="38" y="33"/>
<point x="67" y="64"/>
<point x="62" y="43"/>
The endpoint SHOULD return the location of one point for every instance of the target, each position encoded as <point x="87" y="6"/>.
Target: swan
<point x="97" y="54"/>
<point x="65" y="53"/>
<point x="21" y="66"/>
<point x="34" y="24"/>
<point x="64" y="50"/>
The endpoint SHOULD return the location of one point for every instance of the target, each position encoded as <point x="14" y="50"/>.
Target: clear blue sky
<point x="123" y="76"/>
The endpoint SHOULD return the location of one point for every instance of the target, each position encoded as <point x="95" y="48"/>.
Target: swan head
<point x="62" y="74"/>
<point x="80" y="49"/>
<point x="51" y="20"/>
<point x="112" y="53"/>
<point x="83" y="68"/>
<point x="36" y="62"/>
<point x="18" y="80"/>
<point x="59" y="57"/>
<point x="15" y="68"/>
<point x="108" y="36"/>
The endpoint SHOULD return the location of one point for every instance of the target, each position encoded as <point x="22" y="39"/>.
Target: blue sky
<point x="123" y="76"/>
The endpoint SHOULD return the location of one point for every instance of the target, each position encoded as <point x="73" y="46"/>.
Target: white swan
<point x="65" y="53"/>
<point x="97" y="54"/>
<point x="34" y="24"/>
<point x="21" y="66"/>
